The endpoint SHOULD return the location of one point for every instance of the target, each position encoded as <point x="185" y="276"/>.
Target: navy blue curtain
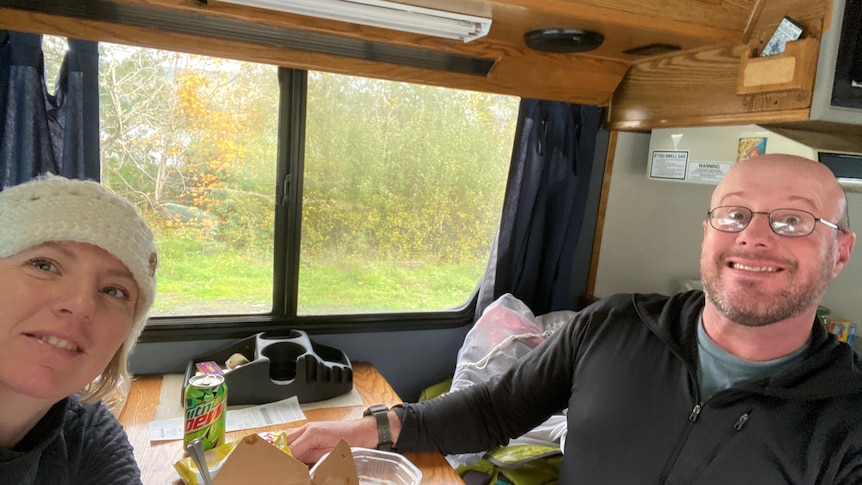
<point x="543" y="211"/>
<point x="43" y="132"/>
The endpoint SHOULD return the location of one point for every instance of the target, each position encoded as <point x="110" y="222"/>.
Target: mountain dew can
<point x="206" y="410"/>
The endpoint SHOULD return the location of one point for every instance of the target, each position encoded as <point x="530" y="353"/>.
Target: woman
<point x="77" y="278"/>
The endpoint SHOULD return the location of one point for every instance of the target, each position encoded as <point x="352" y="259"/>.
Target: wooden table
<point x="156" y="459"/>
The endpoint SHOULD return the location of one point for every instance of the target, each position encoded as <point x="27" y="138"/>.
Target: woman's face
<point x="65" y="309"/>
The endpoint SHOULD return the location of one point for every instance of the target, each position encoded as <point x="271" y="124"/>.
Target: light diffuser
<point x="383" y="14"/>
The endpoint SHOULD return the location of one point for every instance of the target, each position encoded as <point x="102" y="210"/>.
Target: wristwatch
<point x="384" y="435"/>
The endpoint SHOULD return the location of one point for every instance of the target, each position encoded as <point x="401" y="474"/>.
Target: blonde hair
<point x="115" y="372"/>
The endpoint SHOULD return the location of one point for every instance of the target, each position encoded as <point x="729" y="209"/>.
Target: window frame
<point x="293" y="96"/>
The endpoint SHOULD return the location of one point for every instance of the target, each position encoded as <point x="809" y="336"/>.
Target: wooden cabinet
<point x="727" y="84"/>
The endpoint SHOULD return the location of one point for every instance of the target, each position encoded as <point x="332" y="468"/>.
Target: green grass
<point x="198" y="279"/>
<point x="357" y="287"/>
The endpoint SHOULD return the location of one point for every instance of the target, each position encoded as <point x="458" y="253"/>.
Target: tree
<point x="179" y="138"/>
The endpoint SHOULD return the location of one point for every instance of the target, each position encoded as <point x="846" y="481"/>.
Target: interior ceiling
<point x="671" y="49"/>
<point x="625" y="24"/>
<point x="633" y="30"/>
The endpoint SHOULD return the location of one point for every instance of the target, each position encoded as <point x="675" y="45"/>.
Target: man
<point x="736" y="384"/>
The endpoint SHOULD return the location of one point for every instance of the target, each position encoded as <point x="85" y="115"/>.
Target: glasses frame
<point x="768" y="215"/>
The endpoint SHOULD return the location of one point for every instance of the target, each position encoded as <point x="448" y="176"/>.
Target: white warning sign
<point x="707" y="172"/>
<point x="668" y="164"/>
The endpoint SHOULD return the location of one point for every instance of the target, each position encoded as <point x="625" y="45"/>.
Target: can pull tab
<point x="196" y="450"/>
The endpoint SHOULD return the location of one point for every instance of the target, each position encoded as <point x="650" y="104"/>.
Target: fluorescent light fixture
<point x="383" y="14"/>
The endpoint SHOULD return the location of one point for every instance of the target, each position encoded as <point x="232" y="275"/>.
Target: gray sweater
<point x="72" y="444"/>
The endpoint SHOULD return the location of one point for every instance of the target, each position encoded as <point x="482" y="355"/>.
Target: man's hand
<point x="311" y="441"/>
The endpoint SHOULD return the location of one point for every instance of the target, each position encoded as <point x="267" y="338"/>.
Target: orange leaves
<point x="216" y="134"/>
<point x="189" y="86"/>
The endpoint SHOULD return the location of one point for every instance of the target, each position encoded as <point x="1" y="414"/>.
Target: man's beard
<point x="746" y="308"/>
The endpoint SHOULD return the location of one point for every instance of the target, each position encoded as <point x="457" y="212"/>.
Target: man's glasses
<point x="784" y="222"/>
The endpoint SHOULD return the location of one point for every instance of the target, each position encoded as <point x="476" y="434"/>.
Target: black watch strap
<point x="384" y="434"/>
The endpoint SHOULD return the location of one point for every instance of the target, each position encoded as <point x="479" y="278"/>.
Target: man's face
<point x="756" y="277"/>
<point x="67" y="308"/>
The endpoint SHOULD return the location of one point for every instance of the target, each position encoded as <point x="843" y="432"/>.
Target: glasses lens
<point x="730" y="218"/>
<point x="791" y="222"/>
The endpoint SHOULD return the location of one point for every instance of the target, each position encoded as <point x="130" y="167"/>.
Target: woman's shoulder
<point x="97" y="442"/>
<point x="89" y="418"/>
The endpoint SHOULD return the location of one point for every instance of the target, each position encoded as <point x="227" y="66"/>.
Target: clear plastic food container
<point x="376" y="467"/>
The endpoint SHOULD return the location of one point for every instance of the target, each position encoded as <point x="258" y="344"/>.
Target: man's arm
<point x="471" y="419"/>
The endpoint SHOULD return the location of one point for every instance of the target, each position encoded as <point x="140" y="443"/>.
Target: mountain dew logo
<point x="206" y="413"/>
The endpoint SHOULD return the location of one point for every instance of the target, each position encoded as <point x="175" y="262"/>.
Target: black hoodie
<point x="626" y="369"/>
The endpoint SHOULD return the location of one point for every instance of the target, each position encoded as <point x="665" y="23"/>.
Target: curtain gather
<point x="544" y="206"/>
<point x="42" y="132"/>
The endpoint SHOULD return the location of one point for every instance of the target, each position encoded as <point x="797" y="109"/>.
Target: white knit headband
<point x="54" y="208"/>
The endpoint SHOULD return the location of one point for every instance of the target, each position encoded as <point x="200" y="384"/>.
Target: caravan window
<point x="325" y="195"/>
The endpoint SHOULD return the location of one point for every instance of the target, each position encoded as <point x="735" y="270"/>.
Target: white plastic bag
<point x="506" y="331"/>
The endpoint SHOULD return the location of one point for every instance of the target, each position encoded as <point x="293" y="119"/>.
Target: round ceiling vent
<point x="563" y="40"/>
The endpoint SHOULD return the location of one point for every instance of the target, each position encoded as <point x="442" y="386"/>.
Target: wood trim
<point x="645" y="125"/>
<point x="600" y="218"/>
<point x="822" y="135"/>
<point x="752" y="21"/>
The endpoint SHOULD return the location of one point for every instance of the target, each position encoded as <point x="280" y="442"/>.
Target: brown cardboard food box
<point x="256" y="461"/>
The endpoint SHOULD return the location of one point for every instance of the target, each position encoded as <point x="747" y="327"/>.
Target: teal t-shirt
<point x="719" y="369"/>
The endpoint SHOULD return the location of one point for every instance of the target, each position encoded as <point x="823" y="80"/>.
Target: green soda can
<point x="206" y="410"/>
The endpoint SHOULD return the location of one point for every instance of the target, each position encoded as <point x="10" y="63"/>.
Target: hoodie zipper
<point x="671" y="462"/>
<point x="695" y="413"/>
<point x="692" y="419"/>
<point x="741" y="421"/>
<point x="737" y="427"/>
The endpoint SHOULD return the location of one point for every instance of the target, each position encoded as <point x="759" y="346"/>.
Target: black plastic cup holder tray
<point x="280" y="367"/>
